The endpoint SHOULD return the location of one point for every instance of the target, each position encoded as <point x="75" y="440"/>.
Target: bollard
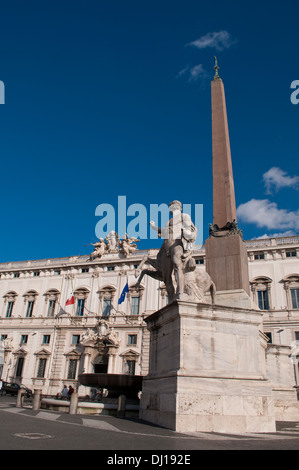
<point x="20" y="398"/>
<point x="74" y="403"/>
<point x="36" y="399"/>
<point x="121" y="409"/>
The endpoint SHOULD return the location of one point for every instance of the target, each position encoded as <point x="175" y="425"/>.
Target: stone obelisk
<point x="207" y="361"/>
<point x="226" y="254"/>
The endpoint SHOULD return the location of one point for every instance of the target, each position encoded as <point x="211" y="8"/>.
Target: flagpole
<point x="73" y="294"/>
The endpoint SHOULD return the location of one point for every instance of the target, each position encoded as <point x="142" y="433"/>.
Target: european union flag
<point x="123" y="294"/>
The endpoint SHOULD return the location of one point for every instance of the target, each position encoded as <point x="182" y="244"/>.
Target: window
<point x="29" y="309"/>
<point x="261" y="290"/>
<point x="75" y="339"/>
<point x="24" y="339"/>
<point x="84" y="270"/>
<point x="107" y="294"/>
<point x="9" y="299"/>
<point x="200" y="261"/>
<point x="46" y="339"/>
<point x="19" y="368"/>
<point x="41" y="368"/>
<point x="3" y="337"/>
<point x="56" y="272"/>
<point x="110" y="268"/>
<point x="51" y="298"/>
<point x="9" y="309"/>
<point x="291" y="254"/>
<point x="51" y="308"/>
<point x="72" y="369"/>
<point x="297" y="335"/>
<point x="269" y="336"/>
<point x="263" y="299"/>
<point x="35" y="273"/>
<point x="106" y="307"/>
<point x="135" y="305"/>
<point x="291" y="286"/>
<point x="80" y="295"/>
<point x="80" y="307"/>
<point x="132" y="339"/>
<point x="130" y="367"/>
<point x="259" y="256"/>
<point x="134" y="298"/>
<point x="16" y="275"/>
<point x="295" y="298"/>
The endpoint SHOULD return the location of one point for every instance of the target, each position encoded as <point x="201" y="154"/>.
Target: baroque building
<point x="62" y="317"/>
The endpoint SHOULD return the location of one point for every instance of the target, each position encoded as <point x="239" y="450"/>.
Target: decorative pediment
<point x="130" y="353"/>
<point x="10" y="296"/>
<point x="20" y="352"/>
<point x="107" y="292"/>
<point x="42" y="352"/>
<point x="291" y="279"/>
<point x="30" y="296"/>
<point x="81" y="292"/>
<point x="51" y="294"/>
<point x="73" y="353"/>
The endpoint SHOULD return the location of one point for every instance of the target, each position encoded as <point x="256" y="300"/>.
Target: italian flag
<point x="70" y="300"/>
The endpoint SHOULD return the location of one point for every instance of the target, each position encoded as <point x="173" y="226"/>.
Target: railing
<point x="272" y="242"/>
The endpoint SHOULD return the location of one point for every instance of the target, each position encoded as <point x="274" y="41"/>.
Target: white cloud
<point x="197" y="72"/>
<point x="194" y="73"/>
<point x="277" y="179"/>
<point x="265" y="213"/>
<point x="218" y="40"/>
<point x="288" y="233"/>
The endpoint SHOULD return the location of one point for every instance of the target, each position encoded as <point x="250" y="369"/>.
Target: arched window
<point x="80" y="295"/>
<point x="107" y="295"/>
<point x="51" y="299"/>
<point x="9" y="301"/>
<point x="291" y="286"/>
<point x="261" y="289"/>
<point x="135" y="297"/>
<point x="29" y="300"/>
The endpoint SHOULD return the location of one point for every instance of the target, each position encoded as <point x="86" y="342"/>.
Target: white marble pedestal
<point x="207" y="370"/>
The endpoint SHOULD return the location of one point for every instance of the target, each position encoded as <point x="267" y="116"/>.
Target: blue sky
<point x="108" y="99"/>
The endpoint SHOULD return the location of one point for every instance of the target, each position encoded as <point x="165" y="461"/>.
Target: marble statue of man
<point x="128" y="245"/>
<point x="100" y="248"/>
<point x="113" y="241"/>
<point x="179" y="237"/>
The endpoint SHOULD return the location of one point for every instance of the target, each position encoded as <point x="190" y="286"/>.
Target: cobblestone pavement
<point x="24" y="428"/>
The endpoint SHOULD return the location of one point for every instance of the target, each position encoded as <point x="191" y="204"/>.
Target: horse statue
<point x="197" y="282"/>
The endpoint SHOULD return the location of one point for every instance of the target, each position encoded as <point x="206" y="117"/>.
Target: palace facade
<point x="46" y="344"/>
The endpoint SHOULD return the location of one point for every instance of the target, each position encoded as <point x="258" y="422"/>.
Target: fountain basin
<point x="116" y="384"/>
